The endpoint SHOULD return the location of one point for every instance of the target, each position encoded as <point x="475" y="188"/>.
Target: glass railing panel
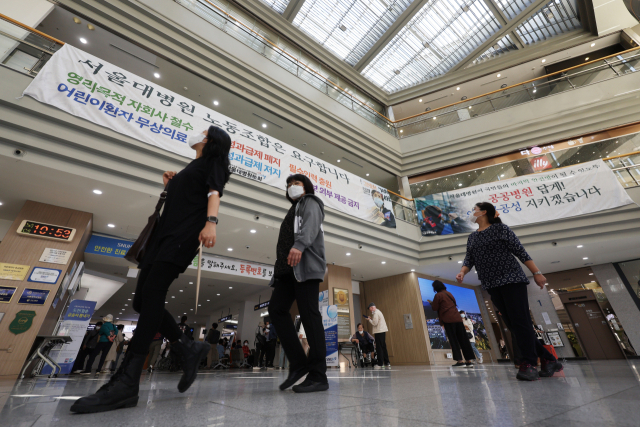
<point x="593" y="76"/>
<point x="23" y="57"/>
<point x="510" y="99"/>
<point x="626" y="66"/>
<point x="481" y="108"/>
<point x="312" y="79"/>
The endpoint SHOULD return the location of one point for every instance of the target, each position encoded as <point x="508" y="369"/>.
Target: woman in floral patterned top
<point x="493" y="250"/>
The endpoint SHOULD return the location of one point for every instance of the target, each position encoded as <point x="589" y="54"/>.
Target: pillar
<point x="338" y="277"/>
<point x="24" y="253"/>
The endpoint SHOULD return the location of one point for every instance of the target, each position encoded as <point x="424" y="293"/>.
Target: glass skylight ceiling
<point x="442" y="34"/>
<point x="277" y="5"/>
<point x="503" y="46"/>
<point x="557" y="17"/>
<point x="348" y="28"/>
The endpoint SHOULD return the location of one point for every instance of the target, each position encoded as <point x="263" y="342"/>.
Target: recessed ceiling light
<point x="590" y="274"/>
<point x="83" y="40"/>
<point x="230" y="287"/>
<point x="593" y="44"/>
<point x="459" y="185"/>
<point x="129" y="299"/>
<point x="458" y="88"/>
<point x="156" y="75"/>
<point x="264" y="125"/>
<point x="348" y="253"/>
<point x="97" y="192"/>
<point x="338" y="160"/>
<point x="586" y="59"/>
<point x="208" y="300"/>
<point x="215" y="103"/>
<point x="498" y="75"/>
<point x="181" y="290"/>
<point x="230" y="249"/>
<point x="434" y="117"/>
<point x="166" y="302"/>
<point x="400" y="132"/>
<point x="544" y="60"/>
<point x="579" y="246"/>
<point x="218" y="294"/>
<point x="133" y="293"/>
<point x="502" y="176"/>
<point x="172" y="297"/>
<point x="459" y="262"/>
<point x="117" y="318"/>
<point x="535" y="90"/>
<point x="253" y="231"/>
<point x="586" y="257"/>
<point x="420" y="100"/>
<point x="367" y="174"/>
<point x="111" y="225"/>
<point x="191" y="283"/>
<point x="384" y="262"/>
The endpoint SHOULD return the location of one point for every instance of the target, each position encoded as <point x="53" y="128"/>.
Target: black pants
<point x="365" y="347"/>
<point x="261" y="351"/>
<point x="151" y="291"/>
<point x="285" y="292"/>
<point x="457" y="336"/>
<point x="271" y="351"/>
<point x="103" y="347"/>
<point x="511" y="300"/>
<point x="381" y="348"/>
<point x="82" y="356"/>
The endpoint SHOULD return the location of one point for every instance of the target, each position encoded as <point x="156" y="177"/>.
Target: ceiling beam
<point x="506" y="29"/>
<point x="292" y="10"/>
<point x="391" y="32"/>
<point x="502" y="18"/>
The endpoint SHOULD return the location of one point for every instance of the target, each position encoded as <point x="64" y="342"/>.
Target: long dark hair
<point x="217" y="147"/>
<point x="306" y="183"/>
<point x="438" y="286"/>
<point x="491" y="212"/>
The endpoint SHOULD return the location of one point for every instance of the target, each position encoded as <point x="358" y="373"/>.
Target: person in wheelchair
<point x="364" y="341"/>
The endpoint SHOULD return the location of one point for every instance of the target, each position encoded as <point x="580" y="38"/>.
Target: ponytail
<point x="492" y="215"/>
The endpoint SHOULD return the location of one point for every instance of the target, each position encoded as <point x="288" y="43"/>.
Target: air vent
<point x="351" y="161"/>
<point x="396" y="71"/>
<point x="267" y="120"/>
<point x="343" y="27"/>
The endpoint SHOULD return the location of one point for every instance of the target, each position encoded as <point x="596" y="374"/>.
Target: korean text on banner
<point x="74" y="324"/>
<point x="562" y="193"/>
<point x="234" y="267"/>
<point x="88" y="87"/>
<point x="330" y="324"/>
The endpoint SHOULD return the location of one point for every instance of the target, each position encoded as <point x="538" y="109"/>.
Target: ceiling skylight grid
<point x="348" y="28"/>
<point x="504" y="45"/>
<point x="277" y="5"/>
<point x="442" y="34"/>
<point x="512" y="8"/>
<point x="557" y="17"/>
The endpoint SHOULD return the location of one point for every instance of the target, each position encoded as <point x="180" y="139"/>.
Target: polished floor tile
<point x="585" y="394"/>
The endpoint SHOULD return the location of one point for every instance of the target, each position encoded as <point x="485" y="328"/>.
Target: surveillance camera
<point x="18" y="152"/>
<point x="333" y="263"/>
<point x="359" y="246"/>
<point x="450" y="258"/>
<point x="554" y="243"/>
<point x="247" y="247"/>
<point x="257" y="217"/>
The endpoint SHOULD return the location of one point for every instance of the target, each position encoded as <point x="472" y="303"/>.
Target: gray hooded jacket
<point x="309" y="239"/>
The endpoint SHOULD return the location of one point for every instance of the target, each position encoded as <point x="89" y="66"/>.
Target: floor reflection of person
<point x="188" y="220"/>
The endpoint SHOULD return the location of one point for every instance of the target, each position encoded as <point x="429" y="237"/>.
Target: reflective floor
<point x="585" y="394"/>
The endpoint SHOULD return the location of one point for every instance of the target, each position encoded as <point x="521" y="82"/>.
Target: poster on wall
<point x="330" y="324"/>
<point x="89" y="87"/>
<point x="341" y="300"/>
<point x="74" y="324"/>
<point x="467" y="301"/>
<point x="562" y="193"/>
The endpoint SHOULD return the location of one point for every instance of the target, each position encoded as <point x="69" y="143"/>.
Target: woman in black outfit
<point x="491" y="249"/>
<point x="188" y="219"/>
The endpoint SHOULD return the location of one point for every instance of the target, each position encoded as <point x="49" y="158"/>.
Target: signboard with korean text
<point x="74" y="324"/>
<point x="33" y="296"/>
<point x="44" y="275"/>
<point x="55" y="256"/>
<point x="261" y="306"/>
<point x="88" y="87"/>
<point x="13" y="271"/>
<point x="108" y="246"/>
<point x="330" y="324"/>
<point x="234" y="267"/>
<point x="562" y="193"/>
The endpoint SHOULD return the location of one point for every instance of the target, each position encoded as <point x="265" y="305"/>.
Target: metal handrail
<point x="33" y="30"/>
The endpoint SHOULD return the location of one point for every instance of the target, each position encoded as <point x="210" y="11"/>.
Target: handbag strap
<point x="453" y="300"/>
<point x="163" y="197"/>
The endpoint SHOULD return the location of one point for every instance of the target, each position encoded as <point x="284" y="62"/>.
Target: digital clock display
<point x="49" y="231"/>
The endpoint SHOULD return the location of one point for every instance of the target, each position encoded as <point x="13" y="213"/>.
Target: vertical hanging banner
<point x="563" y="193"/>
<point x="74" y="324"/>
<point x="88" y="87"/>
<point x="330" y="324"/>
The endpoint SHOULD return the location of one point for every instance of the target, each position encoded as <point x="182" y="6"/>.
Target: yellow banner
<point x="13" y="271"/>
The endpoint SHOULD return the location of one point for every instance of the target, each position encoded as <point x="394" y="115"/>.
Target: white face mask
<point x="361" y="332"/>
<point x="473" y="219"/>
<point x="463" y="315"/>
<point x="295" y="191"/>
<point x="196" y="139"/>
<point x="378" y="202"/>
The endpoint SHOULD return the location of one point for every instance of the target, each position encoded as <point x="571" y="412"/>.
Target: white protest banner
<point x="234" y="267"/>
<point x="562" y="193"/>
<point x="88" y="87"/>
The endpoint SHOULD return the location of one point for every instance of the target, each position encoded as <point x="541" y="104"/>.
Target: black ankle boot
<point x="191" y="353"/>
<point x="120" y="392"/>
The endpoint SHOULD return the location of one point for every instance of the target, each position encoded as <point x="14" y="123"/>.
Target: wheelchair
<point x="359" y="361"/>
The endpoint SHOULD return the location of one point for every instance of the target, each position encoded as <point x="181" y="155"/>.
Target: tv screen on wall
<point x="467" y="301"/>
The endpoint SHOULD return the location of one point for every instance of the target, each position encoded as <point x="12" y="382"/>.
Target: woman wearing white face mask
<point x="493" y="250"/>
<point x="298" y="271"/>
<point x="388" y="220"/>
<point x="189" y="218"/>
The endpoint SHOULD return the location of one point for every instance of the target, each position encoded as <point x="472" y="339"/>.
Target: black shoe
<point x="120" y="392"/>
<point x="459" y="364"/>
<point x="527" y="373"/>
<point x="192" y="353"/>
<point x="549" y="368"/>
<point x="310" y="387"/>
<point x="469" y="365"/>
<point x="294" y="377"/>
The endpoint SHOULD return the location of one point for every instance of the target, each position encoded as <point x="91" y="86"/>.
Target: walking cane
<point x="198" y="278"/>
